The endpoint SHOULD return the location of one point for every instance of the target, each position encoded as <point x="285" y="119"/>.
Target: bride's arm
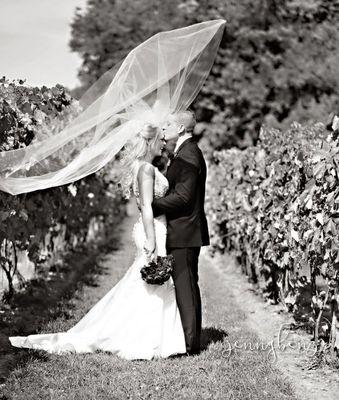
<point x="146" y="188"/>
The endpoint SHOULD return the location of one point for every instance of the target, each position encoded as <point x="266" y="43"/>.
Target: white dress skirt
<point x="134" y="320"/>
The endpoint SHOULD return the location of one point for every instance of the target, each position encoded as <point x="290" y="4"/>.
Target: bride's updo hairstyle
<point x="136" y="149"/>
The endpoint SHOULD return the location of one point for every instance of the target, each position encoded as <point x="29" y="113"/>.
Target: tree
<point x="277" y="60"/>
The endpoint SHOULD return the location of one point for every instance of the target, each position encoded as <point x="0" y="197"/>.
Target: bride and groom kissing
<point x="137" y="320"/>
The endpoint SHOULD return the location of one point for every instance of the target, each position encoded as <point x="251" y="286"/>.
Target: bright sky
<point x="34" y="36"/>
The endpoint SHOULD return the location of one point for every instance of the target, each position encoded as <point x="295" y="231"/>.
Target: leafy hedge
<point x="275" y="206"/>
<point x="31" y="221"/>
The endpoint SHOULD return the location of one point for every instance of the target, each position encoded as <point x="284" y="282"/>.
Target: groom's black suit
<point x="187" y="231"/>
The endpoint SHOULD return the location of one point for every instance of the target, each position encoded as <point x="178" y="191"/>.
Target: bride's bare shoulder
<point x="146" y="170"/>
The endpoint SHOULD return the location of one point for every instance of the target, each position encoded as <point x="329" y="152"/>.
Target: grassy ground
<point x="213" y="374"/>
<point x="293" y="348"/>
<point x="42" y="300"/>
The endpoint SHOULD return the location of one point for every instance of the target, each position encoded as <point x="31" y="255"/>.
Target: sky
<point x="34" y="36"/>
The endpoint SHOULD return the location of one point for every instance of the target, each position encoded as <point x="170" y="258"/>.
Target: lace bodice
<point x="160" y="184"/>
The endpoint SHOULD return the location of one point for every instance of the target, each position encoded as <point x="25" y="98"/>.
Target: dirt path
<point x="293" y="351"/>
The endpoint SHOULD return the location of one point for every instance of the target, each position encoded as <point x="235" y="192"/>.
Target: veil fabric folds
<point x="160" y="76"/>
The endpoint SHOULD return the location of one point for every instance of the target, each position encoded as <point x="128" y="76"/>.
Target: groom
<point x="187" y="227"/>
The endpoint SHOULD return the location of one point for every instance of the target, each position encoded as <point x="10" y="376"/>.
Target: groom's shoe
<point x="179" y="355"/>
<point x="193" y="352"/>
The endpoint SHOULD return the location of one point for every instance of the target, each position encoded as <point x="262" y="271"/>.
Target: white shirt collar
<point x="181" y="140"/>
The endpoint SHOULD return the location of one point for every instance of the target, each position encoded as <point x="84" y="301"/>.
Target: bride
<point x="162" y="75"/>
<point x="134" y="320"/>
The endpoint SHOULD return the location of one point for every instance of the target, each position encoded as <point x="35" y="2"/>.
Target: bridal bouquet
<point x="158" y="271"/>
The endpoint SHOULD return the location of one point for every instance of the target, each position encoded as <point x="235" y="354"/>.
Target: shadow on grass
<point x="211" y="335"/>
<point x="208" y="336"/>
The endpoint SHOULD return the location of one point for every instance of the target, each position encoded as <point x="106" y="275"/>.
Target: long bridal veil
<point x="162" y="75"/>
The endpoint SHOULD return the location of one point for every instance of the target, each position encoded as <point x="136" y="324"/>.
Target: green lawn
<point x="213" y="374"/>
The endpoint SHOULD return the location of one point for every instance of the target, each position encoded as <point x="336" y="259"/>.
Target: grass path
<point x="293" y="349"/>
<point x="213" y="374"/>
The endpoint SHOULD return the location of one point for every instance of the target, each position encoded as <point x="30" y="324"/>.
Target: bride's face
<point x="158" y="146"/>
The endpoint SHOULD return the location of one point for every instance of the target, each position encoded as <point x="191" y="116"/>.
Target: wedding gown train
<point x="134" y="320"/>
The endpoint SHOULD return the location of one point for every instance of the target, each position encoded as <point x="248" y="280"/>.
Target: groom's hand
<point x="182" y="196"/>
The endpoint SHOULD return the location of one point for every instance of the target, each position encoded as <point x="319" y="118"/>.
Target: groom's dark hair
<point x="186" y="118"/>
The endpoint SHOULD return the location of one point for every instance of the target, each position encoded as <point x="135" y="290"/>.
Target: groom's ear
<point x="181" y="129"/>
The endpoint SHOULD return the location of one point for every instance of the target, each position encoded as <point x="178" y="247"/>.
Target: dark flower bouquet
<point x="158" y="271"/>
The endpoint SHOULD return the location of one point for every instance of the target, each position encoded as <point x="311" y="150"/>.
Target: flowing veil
<point x="160" y="76"/>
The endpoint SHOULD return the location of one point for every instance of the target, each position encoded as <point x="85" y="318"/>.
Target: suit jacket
<point x="184" y="202"/>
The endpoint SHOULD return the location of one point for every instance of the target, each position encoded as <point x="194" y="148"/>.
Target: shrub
<point x="32" y="221"/>
<point x="275" y="206"/>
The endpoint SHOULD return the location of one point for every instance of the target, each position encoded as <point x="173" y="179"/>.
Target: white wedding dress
<point x="134" y="320"/>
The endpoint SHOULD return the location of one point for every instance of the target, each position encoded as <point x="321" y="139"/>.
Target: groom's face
<point x="171" y="130"/>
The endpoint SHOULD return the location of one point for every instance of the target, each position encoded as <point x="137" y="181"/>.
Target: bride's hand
<point x="149" y="248"/>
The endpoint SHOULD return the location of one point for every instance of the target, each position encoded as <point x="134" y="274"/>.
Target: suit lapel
<point x="182" y="145"/>
<point x="168" y="175"/>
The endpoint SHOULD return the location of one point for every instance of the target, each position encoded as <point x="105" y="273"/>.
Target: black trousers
<point x="185" y="277"/>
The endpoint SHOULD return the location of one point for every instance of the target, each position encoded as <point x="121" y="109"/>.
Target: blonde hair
<point x="136" y="149"/>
